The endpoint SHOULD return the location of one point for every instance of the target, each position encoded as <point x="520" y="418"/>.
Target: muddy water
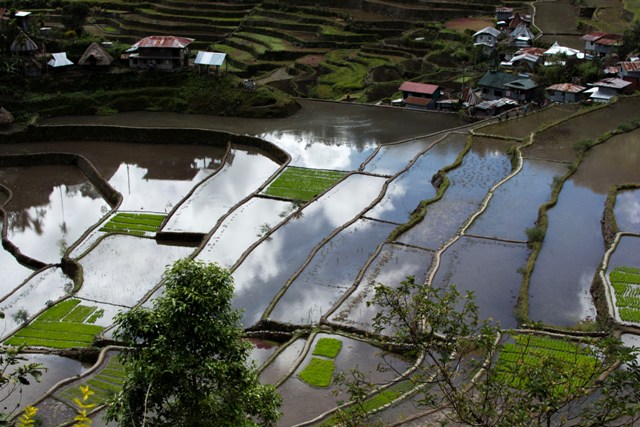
<point x="488" y="269"/>
<point x="523" y="126"/>
<point x="122" y="269"/>
<point x="331" y="272"/>
<point x="243" y="174"/>
<point x="627" y="211"/>
<point x="405" y="192"/>
<point x="47" y="215"/>
<point x="557" y="142"/>
<point x="270" y="265"/>
<point x="296" y="394"/>
<point x="57" y="369"/>
<point x="573" y="246"/>
<point x="627" y="254"/>
<point x="242" y="228"/>
<point x="514" y="205"/>
<point x="483" y="166"/>
<point x="283" y="362"/>
<point x="391" y="159"/>
<point x="47" y="285"/>
<point x="391" y="267"/>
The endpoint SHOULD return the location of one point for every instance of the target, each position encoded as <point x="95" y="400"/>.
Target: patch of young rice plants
<point x="532" y="351"/>
<point x="318" y="372"/>
<point x="328" y="347"/>
<point x="303" y="184"/>
<point x="625" y="282"/>
<point x="133" y="223"/>
<point x="105" y="384"/>
<point x="65" y="325"/>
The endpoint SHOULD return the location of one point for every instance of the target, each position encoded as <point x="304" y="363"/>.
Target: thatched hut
<point x="95" y="56"/>
<point x="23" y="45"/>
<point x="6" y="118"/>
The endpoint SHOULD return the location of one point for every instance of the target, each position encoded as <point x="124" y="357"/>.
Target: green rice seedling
<point x="95" y="316"/>
<point x="58" y="311"/>
<point x="303" y="184"/>
<point x="79" y="314"/>
<point x="328" y="347"/>
<point x="318" y="372"/>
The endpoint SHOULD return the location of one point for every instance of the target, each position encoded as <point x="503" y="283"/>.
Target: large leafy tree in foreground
<point x="188" y="362"/>
<point x="464" y="374"/>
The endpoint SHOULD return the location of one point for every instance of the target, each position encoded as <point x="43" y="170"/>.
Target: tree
<point x="462" y="373"/>
<point x="188" y="362"/>
<point x="14" y="373"/>
<point x="74" y="16"/>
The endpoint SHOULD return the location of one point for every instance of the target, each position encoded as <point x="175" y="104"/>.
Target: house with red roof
<point x="565" y="92"/>
<point x="630" y="71"/>
<point x="601" y="43"/>
<point x="420" y="95"/>
<point x="160" y="52"/>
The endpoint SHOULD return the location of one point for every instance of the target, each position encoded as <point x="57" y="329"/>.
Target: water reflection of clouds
<point x="141" y="193"/>
<point x="627" y="211"/>
<point x="44" y="232"/>
<point x="305" y="151"/>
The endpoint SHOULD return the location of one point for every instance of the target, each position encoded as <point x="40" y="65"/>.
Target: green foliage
<point x="318" y="372"/>
<point x="106" y="111"/>
<point x="583" y="145"/>
<point x="74" y="14"/>
<point x="532" y="382"/>
<point x="328" y="347"/>
<point x="535" y="234"/>
<point x="15" y="372"/>
<point x="188" y="364"/>
<point x="303" y="184"/>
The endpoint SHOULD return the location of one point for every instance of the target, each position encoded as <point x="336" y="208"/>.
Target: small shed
<point x="95" y="56"/>
<point x="211" y="59"/>
<point x="59" y="60"/>
<point x="420" y="95"/>
<point x="565" y="92"/>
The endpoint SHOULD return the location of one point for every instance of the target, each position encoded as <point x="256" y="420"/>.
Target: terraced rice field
<point x="133" y="223"/>
<point x="626" y="284"/>
<point x="297" y="183"/>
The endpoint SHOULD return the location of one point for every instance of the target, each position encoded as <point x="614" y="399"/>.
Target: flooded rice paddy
<point x="318" y="264"/>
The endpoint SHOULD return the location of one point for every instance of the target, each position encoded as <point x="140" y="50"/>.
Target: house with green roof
<point x="497" y="84"/>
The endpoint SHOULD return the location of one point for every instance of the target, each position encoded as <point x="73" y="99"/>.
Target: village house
<point x="487" y="38"/>
<point x="565" y="92"/>
<point x="600" y="43"/>
<point x="160" y="52"/>
<point x="492" y="84"/>
<point x="504" y="14"/>
<point x="605" y="89"/>
<point x="630" y="72"/>
<point x="523" y="61"/>
<point x="420" y="95"/>
<point x="211" y="59"/>
<point x="521" y="36"/>
<point x="523" y="89"/>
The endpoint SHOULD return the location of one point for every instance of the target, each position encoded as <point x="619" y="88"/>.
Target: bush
<point x="535" y="234"/>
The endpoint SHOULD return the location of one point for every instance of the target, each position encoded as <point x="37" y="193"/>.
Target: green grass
<point x="318" y="372"/>
<point x="328" y="347"/>
<point x="135" y="224"/>
<point x="625" y="282"/>
<point x="303" y="184"/>
<point x="65" y="325"/>
<point x="105" y="384"/>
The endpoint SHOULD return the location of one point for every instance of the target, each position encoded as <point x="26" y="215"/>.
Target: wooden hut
<point x="95" y="56"/>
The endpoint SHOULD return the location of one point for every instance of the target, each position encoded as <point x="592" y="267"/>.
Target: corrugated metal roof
<point x="630" y="66"/>
<point x="210" y="58"/>
<point x="164" y="41"/>
<point x="612" y="82"/>
<point x="419" y="88"/>
<point x="59" y="60"/>
<point x="609" y="41"/>
<point x="488" y="30"/>
<point x="593" y="36"/>
<point x="567" y="87"/>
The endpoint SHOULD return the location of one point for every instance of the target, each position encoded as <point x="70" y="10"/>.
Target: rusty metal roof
<point x="566" y="87"/>
<point x="164" y="42"/>
<point x="630" y="66"/>
<point x="610" y="40"/>
<point x="419" y="88"/>
<point x="593" y="36"/>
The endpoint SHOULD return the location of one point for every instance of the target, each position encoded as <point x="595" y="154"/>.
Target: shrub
<point x="535" y="234"/>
